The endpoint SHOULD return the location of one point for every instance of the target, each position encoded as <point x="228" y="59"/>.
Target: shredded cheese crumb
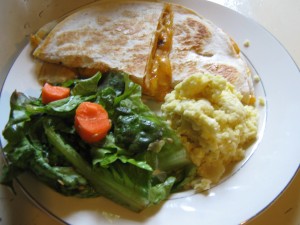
<point x="246" y="43"/>
<point x="203" y="185"/>
<point x="256" y="78"/>
<point x="110" y="217"/>
<point x="261" y="101"/>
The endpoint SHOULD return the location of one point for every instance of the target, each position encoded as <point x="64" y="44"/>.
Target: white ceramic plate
<point x="270" y="164"/>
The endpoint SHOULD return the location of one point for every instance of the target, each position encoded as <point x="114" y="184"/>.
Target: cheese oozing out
<point x="157" y="81"/>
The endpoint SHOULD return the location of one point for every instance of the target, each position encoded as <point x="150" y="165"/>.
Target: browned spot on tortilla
<point x="192" y="34"/>
<point x="136" y="60"/>
<point x="189" y="67"/>
<point x="77" y="60"/>
<point x="102" y="20"/>
<point x="228" y="72"/>
<point x="138" y="47"/>
<point x="67" y="37"/>
<point x="89" y="37"/>
<point x="129" y="13"/>
<point x="192" y="67"/>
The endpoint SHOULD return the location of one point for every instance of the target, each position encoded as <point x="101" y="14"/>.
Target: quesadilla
<point x="200" y="46"/>
<point x="157" y="44"/>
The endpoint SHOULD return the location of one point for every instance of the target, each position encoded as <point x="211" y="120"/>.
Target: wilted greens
<point x="138" y="164"/>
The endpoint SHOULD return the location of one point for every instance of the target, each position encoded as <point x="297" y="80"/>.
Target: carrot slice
<point x="91" y="122"/>
<point x="52" y="93"/>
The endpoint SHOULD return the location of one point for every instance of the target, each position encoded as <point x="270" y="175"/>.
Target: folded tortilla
<point x="157" y="44"/>
<point x="200" y="46"/>
<point x="104" y="36"/>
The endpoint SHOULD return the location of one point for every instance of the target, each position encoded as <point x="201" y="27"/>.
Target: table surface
<point x="281" y="18"/>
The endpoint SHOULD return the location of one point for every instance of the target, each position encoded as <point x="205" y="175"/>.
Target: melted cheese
<point x="158" y="79"/>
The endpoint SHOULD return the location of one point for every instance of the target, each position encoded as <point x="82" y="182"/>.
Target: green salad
<point x="138" y="163"/>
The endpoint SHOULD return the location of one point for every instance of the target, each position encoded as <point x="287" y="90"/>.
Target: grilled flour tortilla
<point x="199" y="45"/>
<point x="157" y="44"/>
<point x="103" y="36"/>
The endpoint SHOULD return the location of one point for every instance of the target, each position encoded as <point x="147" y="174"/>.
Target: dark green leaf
<point x="87" y="86"/>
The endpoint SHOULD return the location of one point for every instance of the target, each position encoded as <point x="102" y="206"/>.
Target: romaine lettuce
<point x="138" y="164"/>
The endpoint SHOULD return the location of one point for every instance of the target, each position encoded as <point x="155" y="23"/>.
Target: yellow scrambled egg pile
<point x="215" y="127"/>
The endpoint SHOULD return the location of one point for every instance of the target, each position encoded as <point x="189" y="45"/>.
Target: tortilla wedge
<point x="104" y="36"/>
<point x="199" y="45"/>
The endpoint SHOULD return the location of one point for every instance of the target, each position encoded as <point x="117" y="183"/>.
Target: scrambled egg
<point x="214" y="125"/>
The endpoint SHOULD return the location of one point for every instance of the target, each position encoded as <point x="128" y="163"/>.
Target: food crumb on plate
<point x="246" y="43"/>
<point x="261" y="101"/>
<point x="110" y="217"/>
<point x="256" y="78"/>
